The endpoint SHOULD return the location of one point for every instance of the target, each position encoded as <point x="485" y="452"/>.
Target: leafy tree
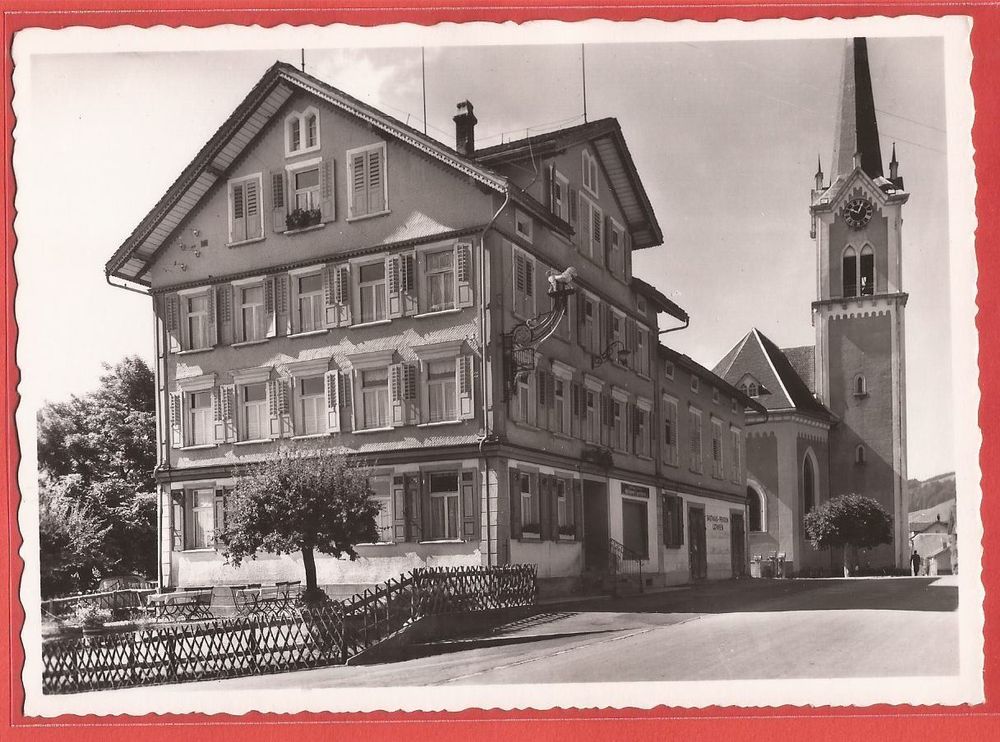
<point x="96" y="456"/>
<point x="300" y="500"/>
<point x="70" y="540"/>
<point x="847" y="521"/>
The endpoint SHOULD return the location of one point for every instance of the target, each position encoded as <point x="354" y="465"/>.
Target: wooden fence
<point x="329" y="634"/>
<point x="120" y="602"/>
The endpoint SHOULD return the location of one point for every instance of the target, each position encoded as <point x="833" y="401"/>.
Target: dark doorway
<point x="697" y="555"/>
<point x="635" y="527"/>
<point x="595" y="525"/>
<point x="737" y="544"/>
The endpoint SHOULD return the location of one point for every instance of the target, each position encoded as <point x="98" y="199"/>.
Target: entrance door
<point x="737" y="544"/>
<point x="595" y="525"/>
<point x="697" y="555"/>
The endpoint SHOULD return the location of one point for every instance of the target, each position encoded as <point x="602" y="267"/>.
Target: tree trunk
<point x="847" y="561"/>
<point x="309" y="562"/>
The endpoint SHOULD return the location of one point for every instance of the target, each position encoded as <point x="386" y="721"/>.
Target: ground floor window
<point x="755" y="520"/>
<point x="635" y="529"/>
<point x="383" y="519"/>
<point x="444" y="501"/>
<point x="564" y="508"/>
<point x="202" y="509"/>
<point x="531" y="520"/>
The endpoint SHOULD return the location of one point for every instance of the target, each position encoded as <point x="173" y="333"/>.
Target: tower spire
<point x="857" y="129"/>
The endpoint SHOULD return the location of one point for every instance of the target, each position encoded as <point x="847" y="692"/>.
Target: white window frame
<point x="186" y="315"/>
<point x="560" y="206"/>
<point x="362" y="285"/>
<point x="616" y="264"/>
<point x="448" y="380"/>
<point x="240" y="326"/>
<point x="452" y="503"/>
<point x="317" y="297"/>
<point x="317" y="399"/>
<point x="668" y="370"/>
<point x="425" y="275"/>
<point x="590" y="173"/>
<point x="296" y="168"/>
<point x="191" y="542"/>
<point x="641" y="353"/>
<point x="242" y="180"/>
<point x="736" y="436"/>
<point x="695" y="384"/>
<point x="300" y="118"/>
<point x="262" y="413"/>
<point x="349" y="164"/>
<point x="202" y="419"/>
<point x="363" y="396"/>
<point x="563" y="375"/>
<point x="530" y="504"/>
<point x="384" y="527"/>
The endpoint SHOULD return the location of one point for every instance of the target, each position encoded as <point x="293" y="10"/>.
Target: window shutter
<point x="224" y="294"/>
<point x="346" y="388"/>
<point x="408" y="283"/>
<point x="414" y="514"/>
<point x="342" y="294"/>
<point x="177" y="520"/>
<point x="576" y="409"/>
<point x="218" y="422"/>
<point x="238" y="210"/>
<point x="627" y="254"/>
<point x="376" y="181"/>
<point x="172" y="311"/>
<point x="255" y="227"/>
<point x="227" y="399"/>
<point x="327" y="206"/>
<point x="212" y="320"/>
<point x="399" y="509"/>
<point x="269" y="308"/>
<point x="519" y="281"/>
<point x="463" y="274"/>
<point x="545" y="507"/>
<point x="542" y="388"/>
<point x="176" y="416"/>
<point x="410" y="372"/>
<point x="330" y="316"/>
<point x="331" y="381"/>
<point x="581" y="320"/>
<point x="554" y="423"/>
<point x="274" y="407"/>
<point x="514" y="495"/>
<point x="283" y="313"/>
<point x="574" y="206"/>
<point x="471" y="530"/>
<point x="464" y="384"/>
<point x="393" y="287"/>
<point x="278" y="212"/>
<point x="577" y="509"/>
<point x="359" y="190"/>
<point x="396" y="394"/>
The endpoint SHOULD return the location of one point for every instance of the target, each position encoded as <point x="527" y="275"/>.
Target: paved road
<point x="715" y="631"/>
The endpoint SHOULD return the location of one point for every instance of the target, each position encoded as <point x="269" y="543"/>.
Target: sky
<point x="725" y="136"/>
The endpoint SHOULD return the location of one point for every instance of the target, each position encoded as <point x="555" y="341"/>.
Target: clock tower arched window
<point x="867" y="271"/>
<point x="850" y="272"/>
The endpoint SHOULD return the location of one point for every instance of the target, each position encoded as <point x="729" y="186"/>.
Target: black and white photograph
<point x="556" y="365"/>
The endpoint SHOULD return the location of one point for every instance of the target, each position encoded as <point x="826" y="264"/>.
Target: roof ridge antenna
<point x="583" y="66"/>
<point x="303" y="59"/>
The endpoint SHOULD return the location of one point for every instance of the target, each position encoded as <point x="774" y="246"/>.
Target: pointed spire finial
<point x="856" y="143"/>
<point x="894" y="169"/>
<point x="819" y="173"/>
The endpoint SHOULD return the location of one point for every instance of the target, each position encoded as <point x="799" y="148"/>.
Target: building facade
<point x="324" y="276"/>
<point x="836" y="420"/>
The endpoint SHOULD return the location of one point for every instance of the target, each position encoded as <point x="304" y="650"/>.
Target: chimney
<point x="465" y="129"/>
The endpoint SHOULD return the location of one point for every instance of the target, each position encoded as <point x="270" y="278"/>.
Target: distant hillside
<point x="930" y="492"/>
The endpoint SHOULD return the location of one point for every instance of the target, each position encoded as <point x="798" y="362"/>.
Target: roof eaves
<point x="660" y="299"/>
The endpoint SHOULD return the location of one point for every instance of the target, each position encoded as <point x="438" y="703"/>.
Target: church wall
<point x="814" y="440"/>
<point x="762" y="467"/>
<point x="862" y="344"/>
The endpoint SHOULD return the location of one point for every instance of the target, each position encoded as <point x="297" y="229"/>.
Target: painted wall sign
<point x="717" y="522"/>
<point x="631" y="490"/>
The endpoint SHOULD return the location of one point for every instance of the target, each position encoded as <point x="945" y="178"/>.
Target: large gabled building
<point x="322" y="273"/>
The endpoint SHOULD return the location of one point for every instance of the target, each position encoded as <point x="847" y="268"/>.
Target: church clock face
<point x="857" y="212"/>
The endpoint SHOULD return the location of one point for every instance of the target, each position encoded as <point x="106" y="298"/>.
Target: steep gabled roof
<point x="605" y="135"/>
<point x="803" y="360"/>
<point x="663" y="304"/>
<point x="756" y="354"/>
<point x="276" y="86"/>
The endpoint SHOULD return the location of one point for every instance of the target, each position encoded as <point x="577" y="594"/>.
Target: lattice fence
<point x="260" y="644"/>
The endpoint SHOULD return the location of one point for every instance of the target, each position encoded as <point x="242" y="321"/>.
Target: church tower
<point x="860" y="370"/>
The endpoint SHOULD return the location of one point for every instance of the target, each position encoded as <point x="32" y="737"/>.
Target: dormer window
<point x="301" y="132"/>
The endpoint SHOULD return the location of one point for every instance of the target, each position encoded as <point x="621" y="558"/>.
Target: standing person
<point x="915" y="563"/>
